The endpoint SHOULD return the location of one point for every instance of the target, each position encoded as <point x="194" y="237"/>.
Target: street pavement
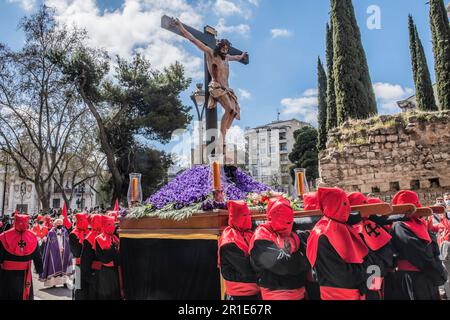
<point x="41" y="293"/>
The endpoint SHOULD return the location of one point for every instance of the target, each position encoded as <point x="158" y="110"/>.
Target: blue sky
<point x="283" y="37"/>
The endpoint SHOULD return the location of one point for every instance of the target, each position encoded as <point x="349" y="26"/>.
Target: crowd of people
<point x="339" y="256"/>
<point x="76" y="250"/>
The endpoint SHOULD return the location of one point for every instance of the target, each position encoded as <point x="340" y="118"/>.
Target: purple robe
<point x="55" y="263"/>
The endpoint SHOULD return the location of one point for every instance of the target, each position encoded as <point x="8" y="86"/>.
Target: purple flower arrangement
<point x="195" y="186"/>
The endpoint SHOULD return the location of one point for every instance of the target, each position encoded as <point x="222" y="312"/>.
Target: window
<point x="56" y="203"/>
<point x="434" y="183"/>
<point x="394" y="186"/>
<point x="415" y="185"/>
<point x="282" y="135"/>
<point x="375" y="190"/>
<point x="283" y="146"/>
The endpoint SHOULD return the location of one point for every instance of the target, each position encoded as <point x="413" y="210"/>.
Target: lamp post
<point x="81" y="190"/>
<point x="23" y="191"/>
<point x="198" y="98"/>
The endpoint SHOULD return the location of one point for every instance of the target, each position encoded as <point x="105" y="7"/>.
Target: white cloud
<point x="26" y="5"/>
<point x="254" y="2"/>
<point x="135" y="27"/>
<point x="244" y="94"/>
<point x="304" y="106"/>
<point x="226" y="8"/>
<point x="388" y="94"/>
<point x="242" y="29"/>
<point x="278" y="33"/>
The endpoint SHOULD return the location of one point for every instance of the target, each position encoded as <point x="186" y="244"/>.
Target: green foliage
<point x="304" y="154"/>
<point x="440" y="30"/>
<point x="422" y="80"/>
<point x="331" y="95"/>
<point x="322" y="115"/>
<point x="355" y="97"/>
<point x="168" y="212"/>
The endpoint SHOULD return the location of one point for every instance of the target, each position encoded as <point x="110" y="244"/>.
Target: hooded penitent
<point x="81" y="227"/>
<point x="310" y="201"/>
<point x="96" y="228"/>
<point x="345" y="239"/>
<point x="239" y="227"/>
<point x="19" y="241"/>
<point x="416" y="225"/>
<point x="374" y="236"/>
<point x="107" y="238"/>
<point x="278" y="228"/>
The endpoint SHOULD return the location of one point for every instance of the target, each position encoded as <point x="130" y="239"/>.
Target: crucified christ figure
<point x="217" y="62"/>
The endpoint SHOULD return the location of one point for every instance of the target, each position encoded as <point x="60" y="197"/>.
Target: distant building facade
<point x="29" y="202"/>
<point x="410" y="104"/>
<point x="267" y="151"/>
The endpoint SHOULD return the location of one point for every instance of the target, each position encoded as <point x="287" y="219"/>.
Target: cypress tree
<point x="355" y="97"/>
<point x="424" y="86"/>
<point x="412" y="46"/>
<point x="440" y="30"/>
<point x="322" y="116"/>
<point x="331" y="96"/>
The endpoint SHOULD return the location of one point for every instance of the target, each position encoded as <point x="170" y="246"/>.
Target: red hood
<point x="21" y="222"/>
<point x="280" y="217"/>
<point x="311" y="201"/>
<point x="357" y="199"/>
<point x="82" y="221"/>
<point x="334" y="204"/>
<point x="373" y="200"/>
<point x="96" y="222"/>
<point x="108" y="225"/>
<point x="406" y="197"/>
<point x="239" y="215"/>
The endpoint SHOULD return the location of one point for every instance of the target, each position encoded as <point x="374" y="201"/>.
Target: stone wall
<point x="386" y="153"/>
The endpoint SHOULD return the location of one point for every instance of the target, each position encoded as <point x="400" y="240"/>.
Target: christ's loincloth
<point x="216" y="91"/>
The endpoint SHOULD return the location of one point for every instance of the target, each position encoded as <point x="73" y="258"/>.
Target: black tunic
<point x="88" y="275"/>
<point x="11" y="282"/>
<point x="385" y="262"/>
<point x="276" y="271"/>
<point x="76" y="248"/>
<point x="108" y="277"/>
<point x="334" y="272"/>
<point x="235" y="266"/>
<point x="410" y="285"/>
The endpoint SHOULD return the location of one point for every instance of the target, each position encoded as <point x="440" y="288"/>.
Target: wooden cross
<point x="208" y="37"/>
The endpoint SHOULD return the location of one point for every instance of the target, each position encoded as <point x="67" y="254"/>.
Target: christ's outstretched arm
<point x="191" y="38"/>
<point x="238" y="57"/>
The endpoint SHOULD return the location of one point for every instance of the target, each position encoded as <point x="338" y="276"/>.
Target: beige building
<point x="267" y="150"/>
<point x="21" y="195"/>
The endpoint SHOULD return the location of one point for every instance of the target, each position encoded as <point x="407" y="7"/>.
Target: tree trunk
<point x="43" y="195"/>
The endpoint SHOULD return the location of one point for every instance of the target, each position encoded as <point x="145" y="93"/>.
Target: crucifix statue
<point x="217" y="54"/>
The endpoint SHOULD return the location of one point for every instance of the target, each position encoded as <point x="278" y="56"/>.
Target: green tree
<point x="440" y="30"/>
<point x="331" y="95"/>
<point x="422" y="79"/>
<point x="322" y="115"/>
<point x="304" y="154"/>
<point x="355" y="97"/>
<point x="138" y="101"/>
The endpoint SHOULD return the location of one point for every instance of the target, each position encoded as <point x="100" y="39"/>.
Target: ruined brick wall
<point x="387" y="153"/>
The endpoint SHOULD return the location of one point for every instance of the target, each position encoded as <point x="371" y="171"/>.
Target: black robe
<point x="88" y="275"/>
<point x="410" y="285"/>
<point x="235" y="266"/>
<point x="108" y="277"/>
<point x="334" y="272"/>
<point x="76" y="248"/>
<point x="282" y="274"/>
<point x="11" y="282"/>
<point x="385" y="261"/>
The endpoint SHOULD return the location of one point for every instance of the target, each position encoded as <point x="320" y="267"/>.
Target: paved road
<point x="58" y="293"/>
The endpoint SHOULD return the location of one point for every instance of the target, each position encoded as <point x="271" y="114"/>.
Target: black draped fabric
<point x="76" y="248"/>
<point x="235" y="265"/>
<point x="409" y="285"/>
<point x="108" y="277"/>
<point x="166" y="269"/>
<point x="88" y="275"/>
<point x="334" y="272"/>
<point x="12" y="282"/>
